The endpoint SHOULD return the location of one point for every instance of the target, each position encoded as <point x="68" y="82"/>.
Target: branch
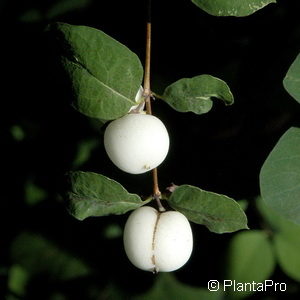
<point x="147" y="95"/>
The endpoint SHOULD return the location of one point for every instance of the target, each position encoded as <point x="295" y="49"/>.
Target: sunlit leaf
<point x="291" y="81"/>
<point x="280" y="176"/>
<point x="105" y="75"/>
<point x="236" y="8"/>
<point x="217" y="212"/>
<point x="93" y="194"/>
<point x="196" y="94"/>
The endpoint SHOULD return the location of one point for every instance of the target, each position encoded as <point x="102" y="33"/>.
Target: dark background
<point x="221" y="151"/>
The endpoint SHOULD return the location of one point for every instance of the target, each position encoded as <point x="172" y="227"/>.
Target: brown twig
<point x="147" y="95"/>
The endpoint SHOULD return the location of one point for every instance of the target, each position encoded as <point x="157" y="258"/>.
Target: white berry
<point x="136" y="143"/>
<point x="158" y="241"/>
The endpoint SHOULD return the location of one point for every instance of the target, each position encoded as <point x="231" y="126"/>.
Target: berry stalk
<point x="148" y="95"/>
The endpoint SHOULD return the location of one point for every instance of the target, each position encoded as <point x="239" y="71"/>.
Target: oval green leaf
<point x="286" y="240"/>
<point x="287" y="251"/>
<point x="17" y="280"/>
<point x="195" y="94"/>
<point x="235" y="8"/>
<point x="291" y="81"/>
<point x="280" y="176"/>
<point x="105" y="75"/>
<point x="217" y="212"/>
<point x="250" y="258"/>
<point x="94" y="195"/>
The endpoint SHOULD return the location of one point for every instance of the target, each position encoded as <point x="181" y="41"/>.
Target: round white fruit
<point x="136" y="143"/>
<point x="157" y="241"/>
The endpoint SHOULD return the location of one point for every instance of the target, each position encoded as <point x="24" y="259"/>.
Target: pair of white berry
<point x="154" y="241"/>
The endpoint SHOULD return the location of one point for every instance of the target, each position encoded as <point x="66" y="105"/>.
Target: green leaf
<point x="33" y="193"/>
<point x="17" y="279"/>
<point x="112" y="231"/>
<point x="236" y="8"/>
<point x="291" y="81"/>
<point x="280" y="176"/>
<point x="195" y="94"/>
<point x="277" y="223"/>
<point x="96" y="195"/>
<point x="243" y="204"/>
<point x="84" y="150"/>
<point x="167" y="287"/>
<point x="37" y="255"/>
<point x="286" y="240"/>
<point x="105" y="74"/>
<point x="17" y="133"/>
<point x="218" y="213"/>
<point x="287" y="251"/>
<point x="250" y="258"/>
